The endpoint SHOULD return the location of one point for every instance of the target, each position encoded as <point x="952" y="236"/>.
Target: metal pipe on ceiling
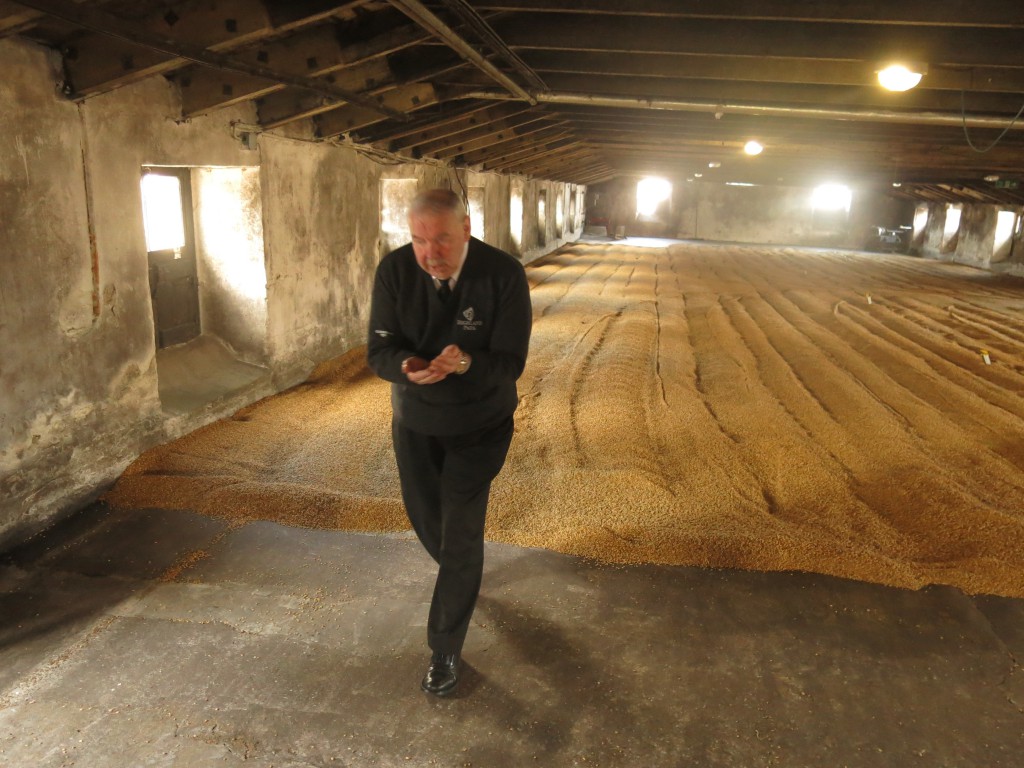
<point x="483" y="30"/>
<point x="426" y="19"/>
<point x="719" y="109"/>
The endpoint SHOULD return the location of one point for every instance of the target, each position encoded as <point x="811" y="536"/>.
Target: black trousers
<point x="446" y="481"/>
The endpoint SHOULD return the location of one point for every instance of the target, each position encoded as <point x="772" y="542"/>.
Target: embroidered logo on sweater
<point x="469" y="324"/>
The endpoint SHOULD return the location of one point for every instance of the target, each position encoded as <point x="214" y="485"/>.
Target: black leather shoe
<point x="442" y="674"/>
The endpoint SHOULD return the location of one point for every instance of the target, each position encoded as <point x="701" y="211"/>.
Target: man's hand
<point x="440" y="367"/>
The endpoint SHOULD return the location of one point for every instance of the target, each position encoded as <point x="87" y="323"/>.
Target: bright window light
<point x="395" y="197"/>
<point x="831" y="197"/>
<point x="920" y="221"/>
<point x="476" y="212"/>
<point x="1006" y="224"/>
<point x="515" y="207"/>
<point x="952" y="221"/>
<point x="161" y="212"/>
<point x="898" y="77"/>
<point x="753" y="147"/>
<point x="650" y="193"/>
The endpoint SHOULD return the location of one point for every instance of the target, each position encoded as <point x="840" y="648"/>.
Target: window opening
<point x="515" y="214"/>
<point x="951" y="230"/>
<point x="542" y="219"/>
<point x="170" y="245"/>
<point x="1006" y="225"/>
<point x="395" y="197"/>
<point x="477" y="220"/>
<point x="650" y="194"/>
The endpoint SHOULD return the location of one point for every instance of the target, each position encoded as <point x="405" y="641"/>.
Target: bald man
<point x="449" y="328"/>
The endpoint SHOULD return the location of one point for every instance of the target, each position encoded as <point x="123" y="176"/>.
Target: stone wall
<point x="776" y="215"/>
<point x="79" y="389"/>
<point x="978" y="241"/>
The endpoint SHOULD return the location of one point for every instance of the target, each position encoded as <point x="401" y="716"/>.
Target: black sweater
<point x="488" y="316"/>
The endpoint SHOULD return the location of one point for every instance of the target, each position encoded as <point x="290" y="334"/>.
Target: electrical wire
<point x="465" y="192"/>
<point x="967" y="135"/>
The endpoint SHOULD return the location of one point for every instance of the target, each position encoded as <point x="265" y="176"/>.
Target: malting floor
<point x="159" y="638"/>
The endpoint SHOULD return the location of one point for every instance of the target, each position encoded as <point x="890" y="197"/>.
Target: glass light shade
<point x="897" y="77"/>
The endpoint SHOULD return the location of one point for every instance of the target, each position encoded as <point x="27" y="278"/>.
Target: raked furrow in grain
<point x="714" y="405"/>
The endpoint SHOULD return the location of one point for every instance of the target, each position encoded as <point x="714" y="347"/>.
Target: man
<point x="449" y="328"/>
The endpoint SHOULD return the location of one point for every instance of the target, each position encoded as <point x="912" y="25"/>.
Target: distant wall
<point x="289" y="288"/>
<point x="707" y="210"/>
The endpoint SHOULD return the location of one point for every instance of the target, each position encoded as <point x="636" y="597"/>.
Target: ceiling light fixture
<point x="992" y="177"/>
<point x="714" y="164"/>
<point x="900" y="77"/>
<point x="753" y="147"/>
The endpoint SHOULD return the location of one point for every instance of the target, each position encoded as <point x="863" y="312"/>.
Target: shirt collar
<point x="458" y="271"/>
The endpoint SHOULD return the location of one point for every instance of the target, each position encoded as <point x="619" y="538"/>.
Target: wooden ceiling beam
<point x="15" y="18"/>
<point x="991" y="13"/>
<point x="765" y="70"/>
<point x="405" y="99"/>
<point x="502" y="142"/>
<point x="451" y="118"/>
<point x="538" y="162"/>
<point x="984" y="47"/>
<point x="487" y="135"/>
<point x="697" y="126"/>
<point x="138" y="35"/>
<point x="97" y="63"/>
<point x="790" y="94"/>
<point x="530" y="155"/>
<point x="516" y="148"/>
<point x="425" y="142"/>
<point x="565" y="166"/>
<point x="203" y="91"/>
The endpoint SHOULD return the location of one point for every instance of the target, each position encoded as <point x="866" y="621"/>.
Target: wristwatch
<point x="463" y="364"/>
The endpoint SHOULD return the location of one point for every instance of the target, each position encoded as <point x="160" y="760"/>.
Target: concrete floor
<point x="167" y="639"/>
<point x="204" y="374"/>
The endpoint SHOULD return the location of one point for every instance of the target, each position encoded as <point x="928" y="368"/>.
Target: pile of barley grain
<point x="705" y="405"/>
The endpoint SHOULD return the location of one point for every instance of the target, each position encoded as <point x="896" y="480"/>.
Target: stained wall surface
<point x="79" y="386"/>
<point x="783" y="215"/>
<point x="973" y="242"/>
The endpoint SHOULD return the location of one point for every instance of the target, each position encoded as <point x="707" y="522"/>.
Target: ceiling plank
<point x="463" y="141"/>
<point x="531" y="164"/>
<point x="533" y="151"/>
<point x="450" y="118"/>
<point x="500" y="142"/>
<point x="106" y="24"/>
<point x="515" y="148"/>
<point x="991" y="13"/>
<point x="407" y="98"/>
<point x="207" y="90"/>
<point x="15" y="18"/>
<point x="991" y="47"/>
<point x="765" y="70"/>
<point x="101" y="64"/>
<point x="423" y="16"/>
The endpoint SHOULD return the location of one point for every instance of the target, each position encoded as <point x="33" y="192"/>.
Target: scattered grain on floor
<point x="696" y="405"/>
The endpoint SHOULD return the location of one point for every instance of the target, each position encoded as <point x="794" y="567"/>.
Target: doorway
<point x="171" y="251"/>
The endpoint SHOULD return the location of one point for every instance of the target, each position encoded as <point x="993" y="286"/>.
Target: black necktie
<point x="444" y="290"/>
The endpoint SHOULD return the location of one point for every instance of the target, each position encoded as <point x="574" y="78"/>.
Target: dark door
<point x="173" y="279"/>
